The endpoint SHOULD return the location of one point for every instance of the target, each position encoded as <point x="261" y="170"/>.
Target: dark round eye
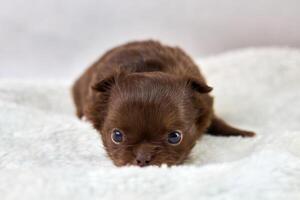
<point x="174" y="137"/>
<point x="117" y="136"/>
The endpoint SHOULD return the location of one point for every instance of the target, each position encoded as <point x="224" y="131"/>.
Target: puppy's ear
<point x="105" y="84"/>
<point x="198" y="85"/>
<point x="111" y="79"/>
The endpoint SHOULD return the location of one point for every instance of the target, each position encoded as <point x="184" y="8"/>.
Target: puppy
<point x="150" y="103"/>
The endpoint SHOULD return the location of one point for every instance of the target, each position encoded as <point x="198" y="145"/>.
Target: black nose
<point x="143" y="159"/>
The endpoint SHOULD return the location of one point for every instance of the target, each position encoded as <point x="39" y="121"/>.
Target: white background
<point x="59" y="38"/>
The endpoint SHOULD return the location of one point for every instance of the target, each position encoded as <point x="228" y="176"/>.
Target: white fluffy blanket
<point x="47" y="153"/>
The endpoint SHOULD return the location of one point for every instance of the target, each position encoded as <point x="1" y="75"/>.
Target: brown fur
<point x="147" y="90"/>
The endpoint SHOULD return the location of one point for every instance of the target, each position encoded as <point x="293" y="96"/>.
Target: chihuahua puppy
<point x="150" y="103"/>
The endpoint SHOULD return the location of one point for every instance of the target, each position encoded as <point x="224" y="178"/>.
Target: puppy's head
<point x="150" y="118"/>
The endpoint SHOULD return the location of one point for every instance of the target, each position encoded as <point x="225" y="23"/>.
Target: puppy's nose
<point x="143" y="160"/>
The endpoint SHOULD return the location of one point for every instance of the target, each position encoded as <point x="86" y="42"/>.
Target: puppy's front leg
<point x="221" y="128"/>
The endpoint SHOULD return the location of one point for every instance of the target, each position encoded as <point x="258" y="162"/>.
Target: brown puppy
<point x="149" y="102"/>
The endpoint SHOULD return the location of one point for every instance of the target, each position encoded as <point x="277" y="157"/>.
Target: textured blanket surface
<point x="47" y="153"/>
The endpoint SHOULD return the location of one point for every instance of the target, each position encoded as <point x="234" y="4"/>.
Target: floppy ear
<point x="198" y="85"/>
<point x="105" y="84"/>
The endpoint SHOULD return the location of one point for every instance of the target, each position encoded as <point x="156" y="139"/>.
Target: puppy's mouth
<point x="158" y="164"/>
<point x="155" y="162"/>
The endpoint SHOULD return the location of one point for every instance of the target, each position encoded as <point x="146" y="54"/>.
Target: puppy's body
<point x="146" y="91"/>
<point x="148" y="56"/>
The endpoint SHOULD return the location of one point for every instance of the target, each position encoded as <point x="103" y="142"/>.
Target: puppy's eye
<point x="117" y="136"/>
<point x="174" y="137"/>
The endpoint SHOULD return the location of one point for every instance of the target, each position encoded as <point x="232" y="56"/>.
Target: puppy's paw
<point x="84" y="119"/>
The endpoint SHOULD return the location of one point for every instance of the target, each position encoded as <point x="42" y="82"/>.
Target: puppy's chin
<point x="119" y="163"/>
<point x="159" y="160"/>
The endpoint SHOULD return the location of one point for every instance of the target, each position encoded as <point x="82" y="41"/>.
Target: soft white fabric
<point x="47" y="153"/>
